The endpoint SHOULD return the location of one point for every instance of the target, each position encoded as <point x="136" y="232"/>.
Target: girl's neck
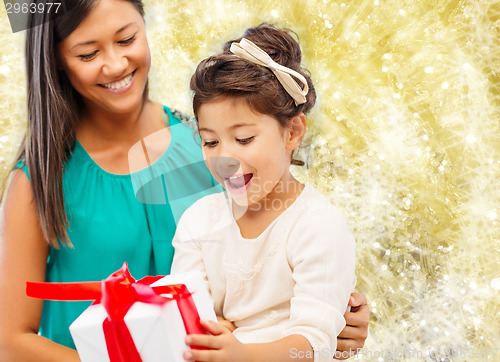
<point x="255" y="219"/>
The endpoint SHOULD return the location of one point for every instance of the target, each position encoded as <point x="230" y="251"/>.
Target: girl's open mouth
<point x="239" y="183"/>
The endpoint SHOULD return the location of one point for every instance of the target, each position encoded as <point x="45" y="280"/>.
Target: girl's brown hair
<point x="227" y="75"/>
<point x="53" y="112"/>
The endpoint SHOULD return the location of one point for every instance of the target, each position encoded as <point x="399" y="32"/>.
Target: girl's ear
<point x="295" y="131"/>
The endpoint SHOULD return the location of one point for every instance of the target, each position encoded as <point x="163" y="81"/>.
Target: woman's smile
<point x="107" y="58"/>
<point x="120" y="86"/>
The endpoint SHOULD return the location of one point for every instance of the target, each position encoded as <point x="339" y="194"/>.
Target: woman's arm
<point x="353" y="336"/>
<point x="23" y="257"/>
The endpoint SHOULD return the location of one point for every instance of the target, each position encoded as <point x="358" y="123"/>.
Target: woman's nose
<point x="225" y="166"/>
<point x="115" y="63"/>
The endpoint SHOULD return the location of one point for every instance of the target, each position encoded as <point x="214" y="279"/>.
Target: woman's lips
<point x="120" y="86"/>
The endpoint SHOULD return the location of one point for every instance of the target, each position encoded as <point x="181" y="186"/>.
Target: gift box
<point x="145" y="320"/>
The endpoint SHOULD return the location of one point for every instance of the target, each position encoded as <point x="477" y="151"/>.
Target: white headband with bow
<point x="247" y="50"/>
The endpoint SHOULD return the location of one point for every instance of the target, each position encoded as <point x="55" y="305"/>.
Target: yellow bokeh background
<point x="404" y="139"/>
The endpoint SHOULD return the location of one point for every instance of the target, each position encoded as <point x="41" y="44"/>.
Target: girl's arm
<point x="23" y="257"/>
<point x="350" y="340"/>
<point x="225" y="347"/>
<point x="321" y="256"/>
<point x="188" y="255"/>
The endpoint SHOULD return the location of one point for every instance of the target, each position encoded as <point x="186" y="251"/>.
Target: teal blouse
<point x="117" y="218"/>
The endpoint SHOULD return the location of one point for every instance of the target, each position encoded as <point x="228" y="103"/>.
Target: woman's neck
<point x="117" y="144"/>
<point x="101" y="129"/>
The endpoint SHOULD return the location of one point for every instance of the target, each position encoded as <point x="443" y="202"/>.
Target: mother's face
<point x="107" y="57"/>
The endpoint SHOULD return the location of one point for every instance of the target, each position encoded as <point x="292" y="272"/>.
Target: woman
<point x="88" y="112"/>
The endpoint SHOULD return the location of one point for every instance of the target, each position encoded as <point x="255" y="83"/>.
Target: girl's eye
<point x="87" y="56"/>
<point x="210" y="144"/>
<point x="244" y="141"/>
<point x="127" y="41"/>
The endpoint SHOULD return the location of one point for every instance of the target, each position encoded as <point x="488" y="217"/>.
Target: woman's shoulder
<point x="184" y="131"/>
<point x="21" y="164"/>
<point x="176" y="116"/>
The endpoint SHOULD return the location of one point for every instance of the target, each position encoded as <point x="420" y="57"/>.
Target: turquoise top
<point x="117" y="218"/>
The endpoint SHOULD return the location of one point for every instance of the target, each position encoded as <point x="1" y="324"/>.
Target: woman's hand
<point x="353" y="336"/>
<point x="221" y="344"/>
<point x="225" y="323"/>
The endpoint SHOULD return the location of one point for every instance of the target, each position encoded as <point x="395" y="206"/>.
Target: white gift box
<point x="157" y="330"/>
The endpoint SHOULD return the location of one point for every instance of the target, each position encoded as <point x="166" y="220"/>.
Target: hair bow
<point x="247" y="50"/>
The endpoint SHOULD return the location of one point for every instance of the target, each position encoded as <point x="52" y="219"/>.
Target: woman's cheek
<point x="142" y="49"/>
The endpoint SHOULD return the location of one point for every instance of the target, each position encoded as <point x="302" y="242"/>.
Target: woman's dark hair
<point x="227" y="75"/>
<point x="54" y="108"/>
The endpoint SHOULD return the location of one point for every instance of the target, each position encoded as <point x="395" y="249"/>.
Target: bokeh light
<point x="404" y="139"/>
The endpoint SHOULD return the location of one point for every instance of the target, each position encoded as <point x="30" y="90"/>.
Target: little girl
<point x="278" y="257"/>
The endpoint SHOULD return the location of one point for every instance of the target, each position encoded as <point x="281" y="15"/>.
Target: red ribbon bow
<point x="117" y="294"/>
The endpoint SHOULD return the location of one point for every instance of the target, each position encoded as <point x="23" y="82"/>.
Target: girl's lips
<point x="120" y="86"/>
<point x="238" y="184"/>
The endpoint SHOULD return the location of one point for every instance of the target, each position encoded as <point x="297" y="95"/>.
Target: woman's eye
<point x="127" y="41"/>
<point x="87" y="56"/>
<point x="244" y="141"/>
<point x="210" y="143"/>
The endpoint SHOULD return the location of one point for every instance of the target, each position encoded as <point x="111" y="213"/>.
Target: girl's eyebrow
<point x="232" y="127"/>
<point x="242" y="125"/>
<point x="93" y="41"/>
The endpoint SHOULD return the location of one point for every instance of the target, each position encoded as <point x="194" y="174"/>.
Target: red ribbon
<point x="117" y="294"/>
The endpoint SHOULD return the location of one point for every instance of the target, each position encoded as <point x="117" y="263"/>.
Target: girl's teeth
<point x="237" y="181"/>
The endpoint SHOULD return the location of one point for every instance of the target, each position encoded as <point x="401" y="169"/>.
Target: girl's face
<point x="107" y="58"/>
<point x="247" y="152"/>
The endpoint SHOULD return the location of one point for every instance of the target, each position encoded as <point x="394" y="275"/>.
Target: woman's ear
<point x="58" y="60"/>
<point x="295" y="132"/>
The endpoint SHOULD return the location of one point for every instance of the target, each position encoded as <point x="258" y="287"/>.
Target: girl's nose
<point x="225" y="166"/>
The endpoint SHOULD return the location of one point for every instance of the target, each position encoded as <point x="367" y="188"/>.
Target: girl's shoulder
<point x="315" y="203"/>
<point x="210" y="207"/>
<point x="316" y="224"/>
<point x="206" y="216"/>
<point x="313" y="210"/>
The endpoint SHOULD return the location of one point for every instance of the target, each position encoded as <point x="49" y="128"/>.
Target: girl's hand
<point x="353" y="336"/>
<point x="225" y="323"/>
<point x="223" y="346"/>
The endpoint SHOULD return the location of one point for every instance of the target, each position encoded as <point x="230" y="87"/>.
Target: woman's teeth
<point x="120" y="84"/>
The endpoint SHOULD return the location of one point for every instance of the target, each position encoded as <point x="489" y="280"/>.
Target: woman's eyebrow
<point x="94" y="41"/>
<point x="124" y="27"/>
